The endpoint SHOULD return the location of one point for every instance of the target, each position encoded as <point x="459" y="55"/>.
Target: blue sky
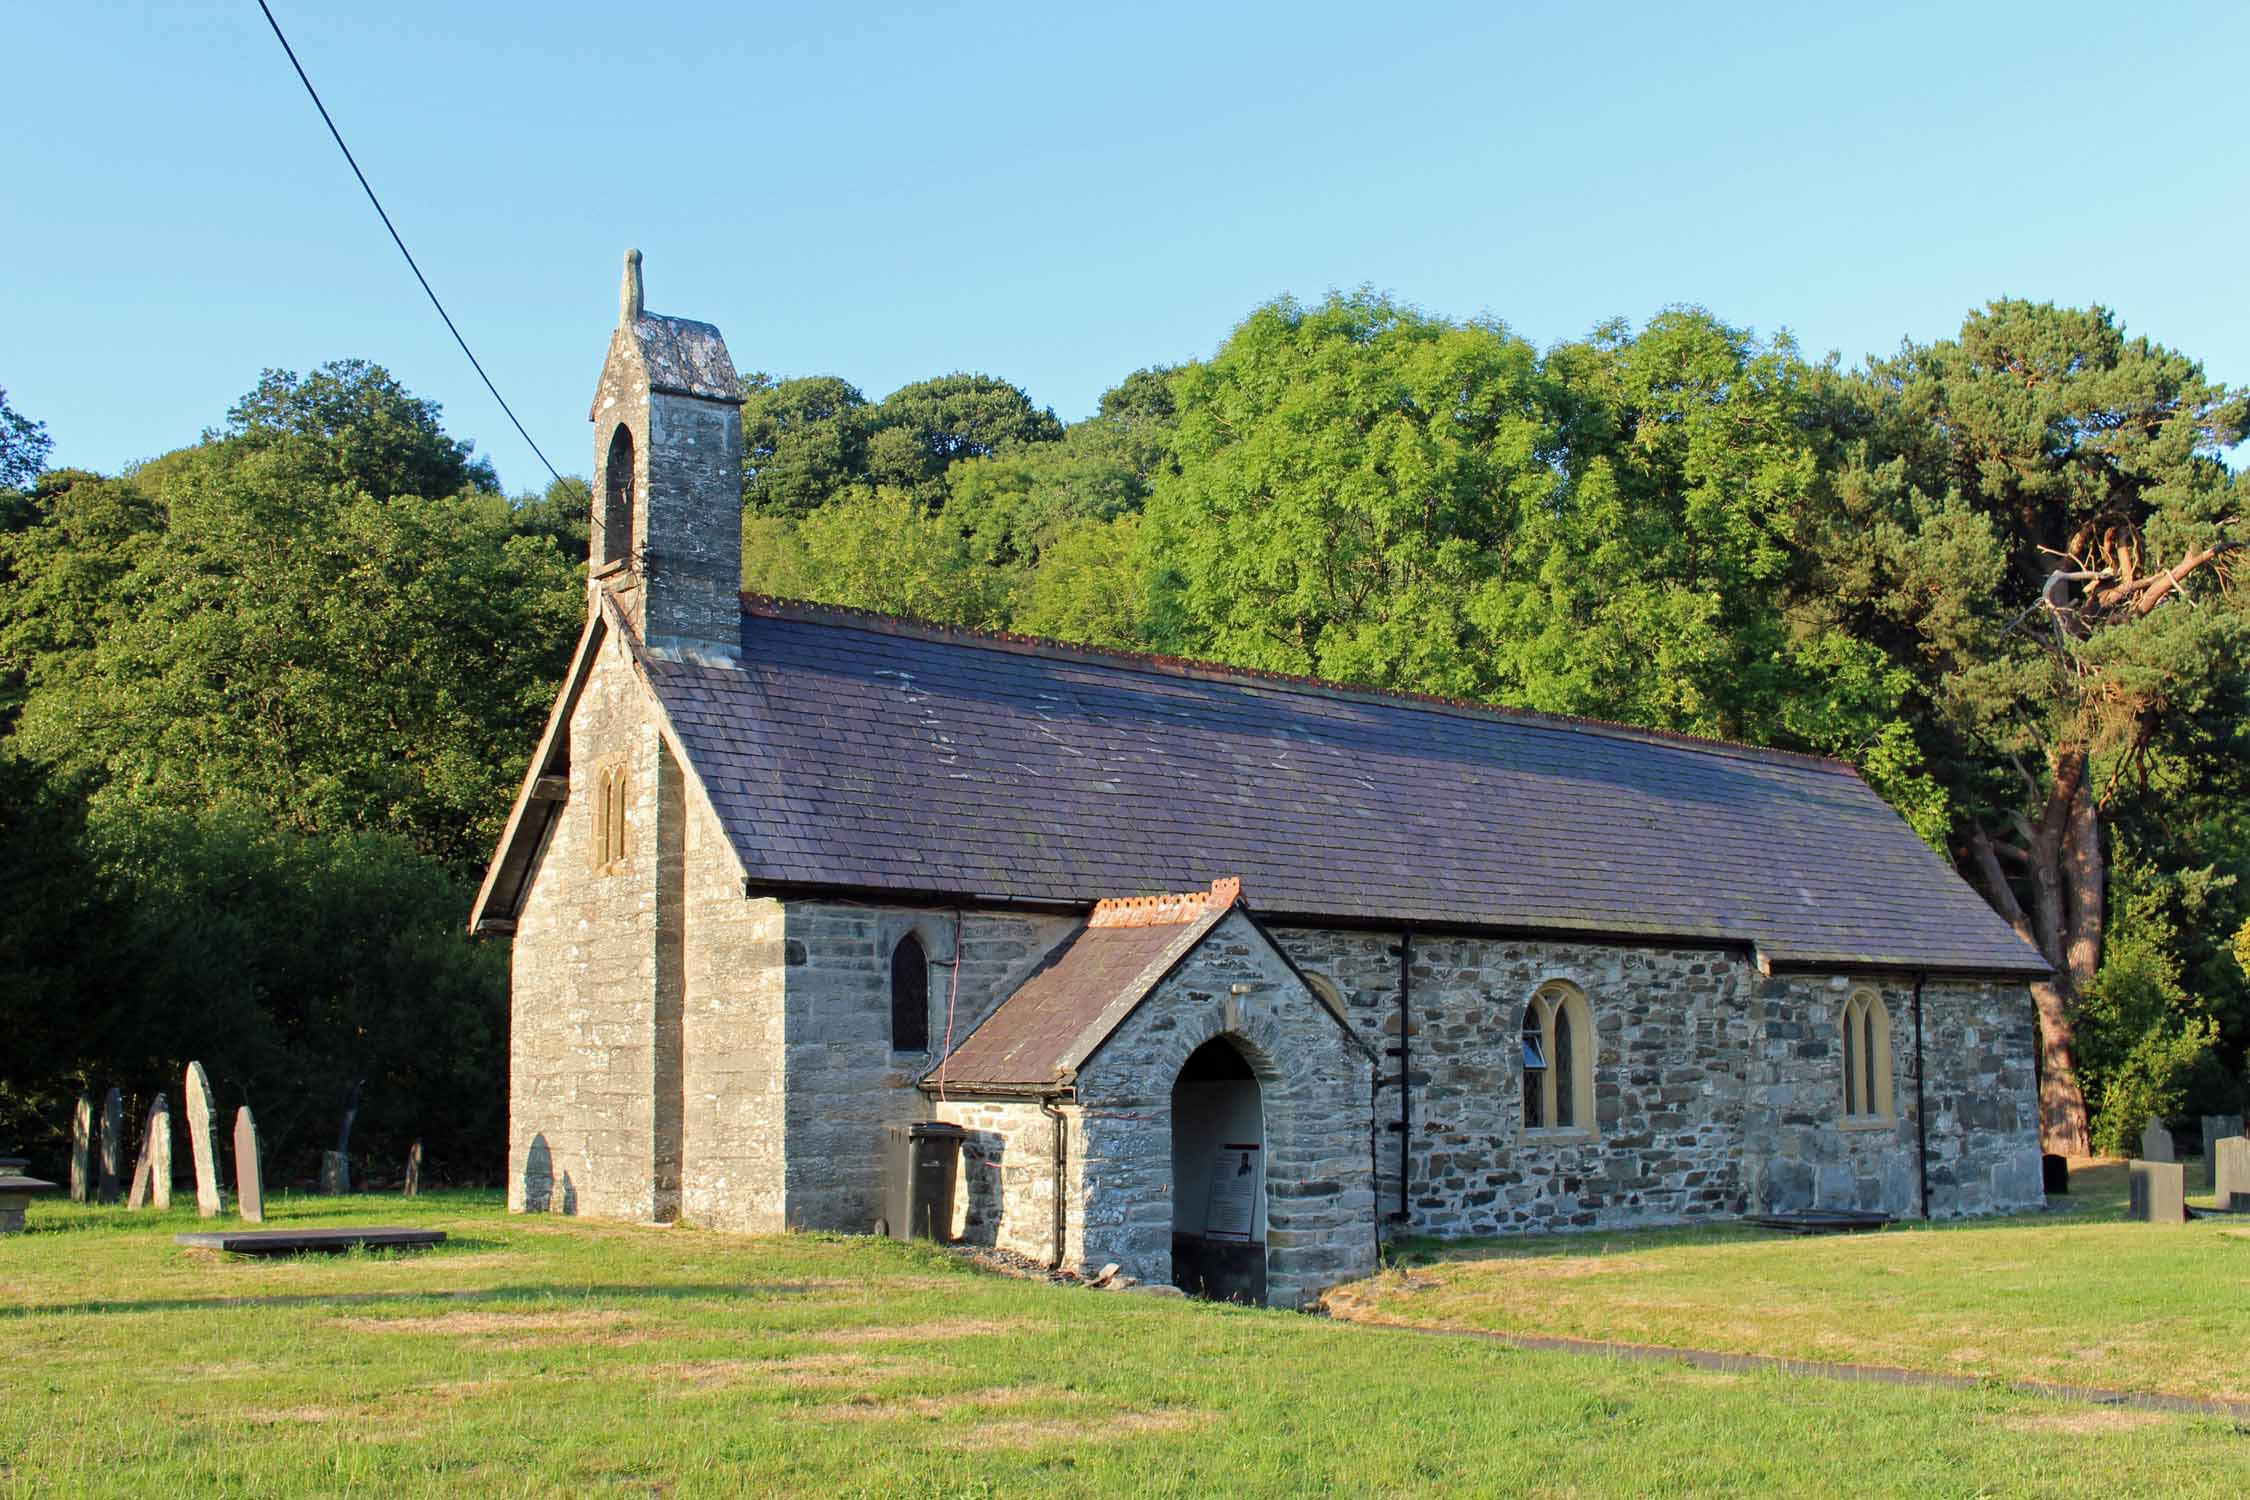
<point x="1062" y="195"/>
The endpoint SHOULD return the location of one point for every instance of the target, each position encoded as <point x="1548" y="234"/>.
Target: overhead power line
<point x="330" y="122"/>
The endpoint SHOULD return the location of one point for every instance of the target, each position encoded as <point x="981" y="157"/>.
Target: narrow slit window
<point x="609" y="818"/>
<point x="1566" y="1103"/>
<point x="910" y="996"/>
<point x="1851" y="1069"/>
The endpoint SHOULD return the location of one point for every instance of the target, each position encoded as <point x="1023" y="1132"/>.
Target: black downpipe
<point x="1921" y="1114"/>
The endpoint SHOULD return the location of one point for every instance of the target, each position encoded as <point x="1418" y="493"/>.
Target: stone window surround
<point x="1862" y="1001"/>
<point x="1550" y="996"/>
<point x="609" y="807"/>
<point x="934" y="931"/>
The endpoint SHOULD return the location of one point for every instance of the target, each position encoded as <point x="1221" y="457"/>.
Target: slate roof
<point x="687" y="357"/>
<point x="860" y="752"/>
<point x="1056" y="1018"/>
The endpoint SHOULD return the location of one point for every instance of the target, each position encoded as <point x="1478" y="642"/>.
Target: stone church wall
<point x="1716" y="1091"/>
<point x="845" y="1084"/>
<point x="645" y="1046"/>
<point x="582" y="1128"/>
<point x="1979" y="1094"/>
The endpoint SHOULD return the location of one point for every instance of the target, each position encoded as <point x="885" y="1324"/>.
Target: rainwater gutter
<point x="1921" y="1114"/>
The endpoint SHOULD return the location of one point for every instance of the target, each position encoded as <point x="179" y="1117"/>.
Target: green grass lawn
<point x="2082" y="1298"/>
<point x="542" y="1356"/>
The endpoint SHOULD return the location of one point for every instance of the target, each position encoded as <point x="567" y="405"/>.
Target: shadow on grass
<point x="685" y="1291"/>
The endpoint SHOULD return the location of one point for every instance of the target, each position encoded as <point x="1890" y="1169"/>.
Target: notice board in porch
<point x="1237" y="1179"/>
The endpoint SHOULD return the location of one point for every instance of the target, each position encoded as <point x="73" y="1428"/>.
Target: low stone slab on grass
<point x="309" y="1241"/>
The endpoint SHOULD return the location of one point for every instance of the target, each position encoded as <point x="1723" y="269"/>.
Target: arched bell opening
<point x="1219" y="1177"/>
<point x="613" y="517"/>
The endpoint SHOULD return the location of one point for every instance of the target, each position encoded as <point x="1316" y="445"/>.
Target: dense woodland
<point x="264" y="700"/>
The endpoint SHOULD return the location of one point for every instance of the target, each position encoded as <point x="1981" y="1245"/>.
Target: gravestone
<point x="2159" y="1192"/>
<point x="2054" y="1174"/>
<point x="249" y="1180"/>
<point x="2216" y="1128"/>
<point x="201" y="1144"/>
<point x="82" y="1149"/>
<point x="335" y="1173"/>
<point x="159" y="1147"/>
<point x="136" y="1196"/>
<point x="2230" y="1186"/>
<point x="414" y="1170"/>
<point x="2156" y="1142"/>
<point x="113" y="1144"/>
<point x="144" y="1165"/>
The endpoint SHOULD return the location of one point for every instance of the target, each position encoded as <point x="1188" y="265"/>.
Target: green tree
<point x="24" y="446"/>
<point x="878" y="550"/>
<point x="2034" y="517"/>
<point x="359" y="427"/>
<point x="1348" y="478"/>
<point x="239" y="622"/>
<point x="804" y="442"/>
<point x="1011" y="503"/>
<point x="1091" y="583"/>
<point x="923" y="429"/>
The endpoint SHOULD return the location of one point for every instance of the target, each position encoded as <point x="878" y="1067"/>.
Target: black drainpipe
<point x="1921" y="1115"/>
<point x="1404" y="1052"/>
<point x="1062" y="1137"/>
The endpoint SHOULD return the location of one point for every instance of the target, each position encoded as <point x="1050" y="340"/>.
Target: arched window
<point x="608" y="841"/>
<point x="1866" y="1026"/>
<point x="1558" y="1060"/>
<point x="613" y="541"/>
<point x="910" y="996"/>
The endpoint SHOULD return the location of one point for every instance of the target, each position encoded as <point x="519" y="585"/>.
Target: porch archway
<point x="1219" y="1176"/>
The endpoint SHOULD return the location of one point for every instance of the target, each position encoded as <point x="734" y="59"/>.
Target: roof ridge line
<point x="772" y="606"/>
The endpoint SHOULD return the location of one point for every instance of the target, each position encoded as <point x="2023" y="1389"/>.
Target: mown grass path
<point x="537" y="1356"/>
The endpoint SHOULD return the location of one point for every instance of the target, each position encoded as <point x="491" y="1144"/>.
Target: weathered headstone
<point x="2216" y="1128"/>
<point x="144" y="1164"/>
<point x="82" y="1149"/>
<point x="113" y="1144"/>
<point x="249" y="1180"/>
<point x="414" y="1170"/>
<point x="335" y="1173"/>
<point x="2156" y="1142"/>
<point x="160" y="1153"/>
<point x="2054" y="1174"/>
<point x="2230" y="1186"/>
<point x="201" y="1143"/>
<point x="2159" y="1192"/>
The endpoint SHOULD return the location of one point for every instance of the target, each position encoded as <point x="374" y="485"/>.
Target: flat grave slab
<point x="309" y="1241"/>
<point x="1819" y="1221"/>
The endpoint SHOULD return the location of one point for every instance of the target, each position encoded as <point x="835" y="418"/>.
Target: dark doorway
<point x="1219" y="1177"/>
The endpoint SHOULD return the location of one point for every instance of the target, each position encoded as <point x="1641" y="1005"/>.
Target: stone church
<point x="1226" y="975"/>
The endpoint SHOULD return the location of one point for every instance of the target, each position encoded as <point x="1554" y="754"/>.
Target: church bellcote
<point x="666" y="531"/>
